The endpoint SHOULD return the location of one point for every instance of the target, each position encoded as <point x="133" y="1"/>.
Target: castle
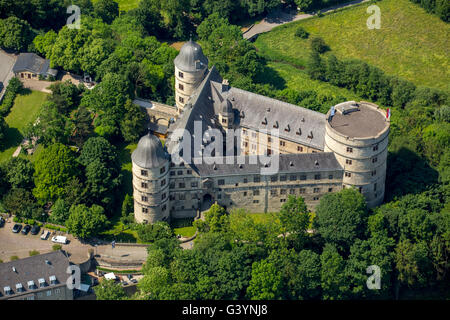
<point x="244" y="150"/>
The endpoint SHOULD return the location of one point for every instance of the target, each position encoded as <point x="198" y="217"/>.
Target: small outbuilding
<point x="31" y="66"/>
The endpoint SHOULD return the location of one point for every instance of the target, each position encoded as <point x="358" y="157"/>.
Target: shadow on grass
<point x="25" y="91"/>
<point x="13" y="138"/>
<point x="272" y="77"/>
<point x="407" y="173"/>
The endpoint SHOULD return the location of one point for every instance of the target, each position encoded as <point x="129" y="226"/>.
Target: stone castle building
<point x="265" y="149"/>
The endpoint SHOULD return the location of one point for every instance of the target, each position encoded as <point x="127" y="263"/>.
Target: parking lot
<point x="18" y="244"/>
<point x="6" y="63"/>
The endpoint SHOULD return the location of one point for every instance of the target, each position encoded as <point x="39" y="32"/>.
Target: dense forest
<point x="78" y="174"/>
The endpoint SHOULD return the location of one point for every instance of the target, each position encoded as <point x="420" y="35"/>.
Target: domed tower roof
<point x="226" y="107"/>
<point x="191" y="57"/>
<point x="149" y="152"/>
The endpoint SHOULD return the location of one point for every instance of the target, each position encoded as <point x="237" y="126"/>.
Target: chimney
<point x="225" y="85"/>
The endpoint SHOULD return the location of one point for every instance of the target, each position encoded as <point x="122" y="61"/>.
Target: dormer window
<point x="53" y="280"/>
<point x="19" y="287"/>
<point x="42" y="283"/>
<point x="287" y="129"/>
<point x="276" y="124"/>
<point x="7" y="291"/>
<point x="264" y="122"/>
<point x="310" y="136"/>
<point x="299" y="132"/>
<point x="31" y="285"/>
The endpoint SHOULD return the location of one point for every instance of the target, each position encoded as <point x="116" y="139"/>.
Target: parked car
<point x="26" y="229"/>
<point x="2" y="222"/>
<point x="45" y="235"/>
<point x="35" y="230"/>
<point x="60" y="239"/>
<point x="17" y="228"/>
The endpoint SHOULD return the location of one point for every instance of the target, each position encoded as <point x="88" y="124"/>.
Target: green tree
<point x="318" y="45"/>
<point x="152" y="232"/>
<point x="132" y="125"/>
<point x="266" y="282"/>
<point x="54" y="167"/>
<point x="3" y="130"/>
<point x="333" y="282"/>
<point x="316" y="68"/>
<point x="341" y="217"/>
<point x="19" y="173"/>
<point x="216" y="220"/>
<point x="21" y="203"/>
<point x="294" y="219"/>
<point x="155" y="280"/>
<point x="107" y="10"/>
<point x="15" y="34"/>
<point x="85" y="222"/>
<point x="109" y="290"/>
<point x="60" y="212"/>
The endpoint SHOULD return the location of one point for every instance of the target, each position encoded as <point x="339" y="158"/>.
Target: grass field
<point x="25" y="110"/>
<point x="411" y="43"/>
<point x="125" y="5"/>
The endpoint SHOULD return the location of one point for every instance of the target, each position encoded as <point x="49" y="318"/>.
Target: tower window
<point x="282" y="143"/>
<point x="144" y="198"/>
<point x="144" y="185"/>
<point x="330" y="177"/>
<point x="181" y="99"/>
<point x="374" y="160"/>
<point x="349" y="149"/>
<point x="181" y="74"/>
<point x="163" y="183"/>
<point x="348" y="174"/>
<point x="374" y="173"/>
<point x="347" y="161"/>
<point x="163" y="196"/>
<point x="375" y="148"/>
<point x="144" y="210"/>
<point x="144" y="173"/>
<point x="299" y="149"/>
<point x="180" y="86"/>
<point x="163" y="169"/>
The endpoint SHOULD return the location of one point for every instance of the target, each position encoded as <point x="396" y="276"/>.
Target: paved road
<point x="6" y="64"/>
<point x="277" y="18"/>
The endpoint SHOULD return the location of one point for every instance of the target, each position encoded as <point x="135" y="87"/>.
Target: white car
<point x="60" y="239"/>
<point x="45" y="235"/>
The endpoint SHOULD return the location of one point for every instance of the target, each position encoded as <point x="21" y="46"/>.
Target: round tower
<point x="191" y="66"/>
<point x="357" y="134"/>
<point x="150" y="181"/>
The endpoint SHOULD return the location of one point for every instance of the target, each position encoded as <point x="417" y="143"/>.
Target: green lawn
<point x="25" y="110"/>
<point x="411" y="43"/>
<point x="125" y="5"/>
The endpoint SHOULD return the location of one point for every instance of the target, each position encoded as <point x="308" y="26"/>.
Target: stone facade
<point x="317" y="154"/>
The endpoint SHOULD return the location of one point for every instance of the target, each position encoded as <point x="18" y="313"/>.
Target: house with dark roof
<point x="31" y="66"/>
<point x="40" y="277"/>
<point x="245" y="150"/>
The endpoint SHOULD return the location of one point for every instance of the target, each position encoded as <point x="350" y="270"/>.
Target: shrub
<point x="31" y="222"/>
<point x="17" y="219"/>
<point x="12" y="258"/>
<point x="12" y="90"/>
<point x="301" y="33"/>
<point x="33" y="253"/>
<point x="56" y="247"/>
<point x="318" y="45"/>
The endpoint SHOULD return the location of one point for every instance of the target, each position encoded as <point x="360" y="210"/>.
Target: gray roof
<point x="191" y="57"/>
<point x="149" y="152"/>
<point x="263" y="113"/>
<point x="358" y="120"/>
<point x="33" y="63"/>
<point x="288" y="163"/>
<point x="32" y="269"/>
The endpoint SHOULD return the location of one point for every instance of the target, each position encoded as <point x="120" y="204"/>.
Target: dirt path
<point x="278" y="18"/>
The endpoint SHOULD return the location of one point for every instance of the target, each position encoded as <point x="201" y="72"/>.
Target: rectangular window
<point x="162" y="170"/>
<point x="283" y="191"/>
<point x="181" y="74"/>
<point x="182" y="185"/>
<point x="274" y="178"/>
<point x="255" y="201"/>
<point x="49" y="293"/>
<point x="269" y="139"/>
<point x="374" y="173"/>
<point x="163" y="182"/>
<point x="293" y="178"/>
<point x="245" y="180"/>
<point x="188" y="171"/>
<point x="144" y="198"/>
<point x="330" y="189"/>
<point x="221" y="182"/>
<point x="282" y="200"/>
<point x="316" y="198"/>
<point x="303" y="177"/>
<point x="291" y="191"/>
<point x="181" y="99"/>
<point x="317" y="177"/>
<point x="57" y="291"/>
<point x="302" y="190"/>
<point x="180" y="172"/>
<point x="180" y="86"/>
<point x="273" y="192"/>
<point x="283" y="143"/>
<point x="299" y="149"/>
<point x="350" y="150"/>
<point x="144" y="173"/>
<point x="245" y="193"/>
<point x="360" y="189"/>
<point x="172" y="173"/>
<point x="316" y="190"/>
<point x="182" y="196"/>
<point x="283" y="178"/>
<point x="163" y="196"/>
<point x="375" y="147"/>
<point x="348" y="174"/>
<point x="347" y="161"/>
<point x="374" y="160"/>
<point x="194" y="184"/>
<point x="330" y="177"/>
<point x="375" y="187"/>
<point x="144" y="210"/>
<point x="256" y="192"/>
<point x="144" y="185"/>
<point x="256" y="179"/>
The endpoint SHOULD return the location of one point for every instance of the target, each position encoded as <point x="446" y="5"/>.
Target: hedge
<point x="12" y="90"/>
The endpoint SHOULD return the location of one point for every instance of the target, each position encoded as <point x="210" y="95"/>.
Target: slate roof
<point x="253" y="110"/>
<point x="33" y="63"/>
<point x="191" y="57"/>
<point x="288" y="163"/>
<point x="32" y="269"/>
<point x="149" y="152"/>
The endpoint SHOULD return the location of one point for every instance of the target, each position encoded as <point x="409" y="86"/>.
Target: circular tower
<point x="150" y="181"/>
<point x="191" y="66"/>
<point x="357" y="134"/>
